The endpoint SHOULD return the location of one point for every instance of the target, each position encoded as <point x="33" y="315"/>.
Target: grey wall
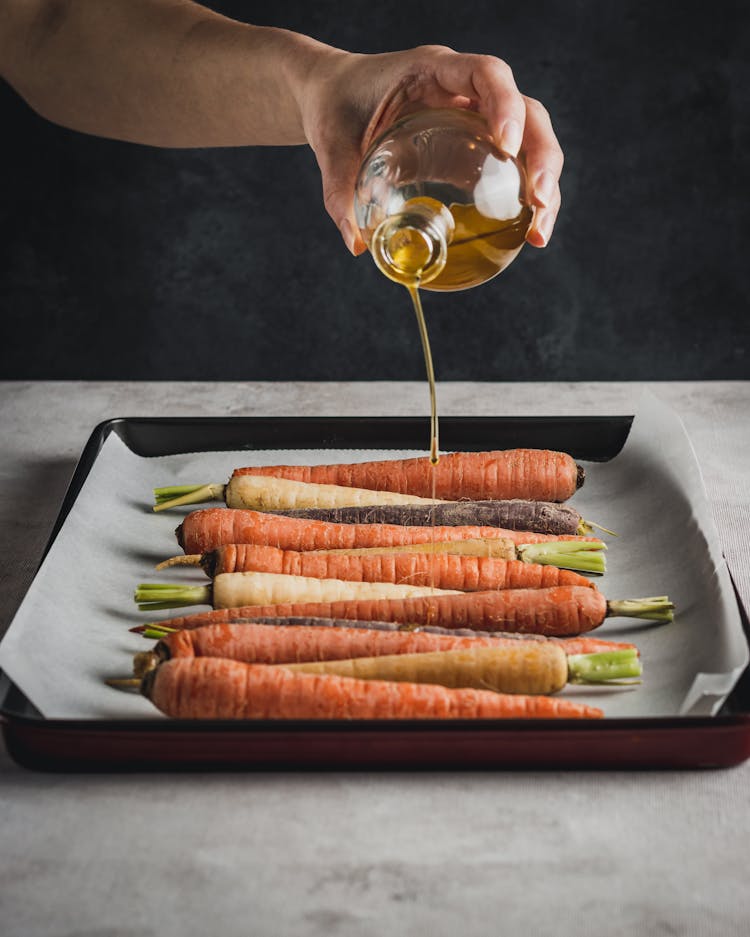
<point x="120" y="261"/>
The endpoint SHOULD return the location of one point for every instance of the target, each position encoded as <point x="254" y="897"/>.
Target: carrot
<point x="208" y="529"/>
<point x="540" y="516"/>
<point x="569" y="554"/>
<point x="342" y="505"/>
<point x="444" y="571"/>
<point x="531" y="474"/>
<point x="214" y="688"/>
<point x="230" y="590"/>
<point x="580" y="644"/>
<point x="534" y="474"/>
<point x="277" y="641"/>
<point x="561" y="611"/>
<point x="259" y="643"/>
<point x="230" y="557"/>
<point x="266" y="493"/>
<point x="514" y="668"/>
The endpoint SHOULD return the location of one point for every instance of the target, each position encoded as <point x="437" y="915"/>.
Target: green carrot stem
<point x="154" y="595"/>
<point x="654" y="608"/>
<point x="154" y="626"/>
<point x="581" y="562"/>
<point x="174" y="491"/>
<point x="587" y="527"/>
<point x="174" y="495"/>
<point x="156" y="634"/>
<point x="590" y="525"/>
<point x="604" y="667"/>
<point x="563" y="546"/>
<point x="586" y="557"/>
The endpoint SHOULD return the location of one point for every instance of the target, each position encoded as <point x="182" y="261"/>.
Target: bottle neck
<point x="411" y="246"/>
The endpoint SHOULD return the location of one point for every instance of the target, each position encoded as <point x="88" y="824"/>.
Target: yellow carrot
<point x="535" y="667"/>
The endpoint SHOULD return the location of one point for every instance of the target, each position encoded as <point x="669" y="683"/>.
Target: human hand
<point x="350" y="98"/>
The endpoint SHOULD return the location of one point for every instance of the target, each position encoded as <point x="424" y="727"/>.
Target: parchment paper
<point x="71" y="631"/>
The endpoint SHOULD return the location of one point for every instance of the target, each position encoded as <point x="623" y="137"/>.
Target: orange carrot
<point x="561" y="611"/>
<point x="443" y="571"/>
<point x="205" y="530"/>
<point x="215" y="688"/>
<point x="532" y="474"/>
<point x="256" y="643"/>
<point x="236" y="557"/>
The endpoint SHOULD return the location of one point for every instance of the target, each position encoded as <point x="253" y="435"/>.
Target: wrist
<point x="310" y="69"/>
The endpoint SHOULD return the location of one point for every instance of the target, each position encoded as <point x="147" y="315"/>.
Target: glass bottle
<point x="438" y="204"/>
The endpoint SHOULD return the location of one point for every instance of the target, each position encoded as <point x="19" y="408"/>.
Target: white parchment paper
<point x="71" y="631"/>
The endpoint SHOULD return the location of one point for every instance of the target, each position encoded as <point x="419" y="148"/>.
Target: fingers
<point x="544" y="162"/>
<point x="338" y="168"/>
<point x="488" y="81"/>
<point x="435" y="76"/>
<point x="516" y="123"/>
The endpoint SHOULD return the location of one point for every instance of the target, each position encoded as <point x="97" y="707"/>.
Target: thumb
<point x="338" y="169"/>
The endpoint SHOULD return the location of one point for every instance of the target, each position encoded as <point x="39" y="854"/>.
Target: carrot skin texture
<point x="443" y="571"/>
<point x="561" y="611"/>
<point x="538" y="669"/>
<point x="215" y="688"/>
<point x="274" y="494"/>
<point x="532" y="474"/>
<point x="264" y="644"/>
<point x="232" y="557"/>
<point x="267" y="588"/>
<point x="540" y="516"/>
<point x="207" y="529"/>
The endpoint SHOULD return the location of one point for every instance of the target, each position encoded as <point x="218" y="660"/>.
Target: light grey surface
<point x="517" y="853"/>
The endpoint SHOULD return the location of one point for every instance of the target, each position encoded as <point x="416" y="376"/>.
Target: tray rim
<point x="24" y="731"/>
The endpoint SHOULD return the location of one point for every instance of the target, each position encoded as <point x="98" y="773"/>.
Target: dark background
<point x="127" y="262"/>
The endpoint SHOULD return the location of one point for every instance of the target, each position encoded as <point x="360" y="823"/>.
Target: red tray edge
<point x="651" y="744"/>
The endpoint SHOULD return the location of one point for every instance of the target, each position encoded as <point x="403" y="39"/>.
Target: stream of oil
<point x="434" y="432"/>
<point x="434" y="443"/>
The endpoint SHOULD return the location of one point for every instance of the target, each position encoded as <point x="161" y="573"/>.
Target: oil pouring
<point x="441" y="208"/>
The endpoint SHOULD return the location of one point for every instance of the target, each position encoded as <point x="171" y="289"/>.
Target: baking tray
<point x="119" y="745"/>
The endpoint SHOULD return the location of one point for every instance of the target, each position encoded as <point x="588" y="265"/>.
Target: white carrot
<point x="232" y="590"/>
<point x="268" y="493"/>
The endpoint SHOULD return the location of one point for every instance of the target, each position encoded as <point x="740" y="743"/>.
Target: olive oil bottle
<point x="440" y="208"/>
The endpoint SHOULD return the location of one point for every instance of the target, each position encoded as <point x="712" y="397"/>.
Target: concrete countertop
<point x="606" y="853"/>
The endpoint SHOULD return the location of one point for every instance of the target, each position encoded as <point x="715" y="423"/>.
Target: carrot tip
<point x="191" y="559"/>
<point x="124" y="683"/>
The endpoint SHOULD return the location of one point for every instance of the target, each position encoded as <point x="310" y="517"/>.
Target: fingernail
<point x="348" y="235"/>
<point x="544" y="188"/>
<point x="511" y="137"/>
<point x="544" y="227"/>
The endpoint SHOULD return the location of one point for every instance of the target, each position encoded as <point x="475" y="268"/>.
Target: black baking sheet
<point x="73" y="744"/>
